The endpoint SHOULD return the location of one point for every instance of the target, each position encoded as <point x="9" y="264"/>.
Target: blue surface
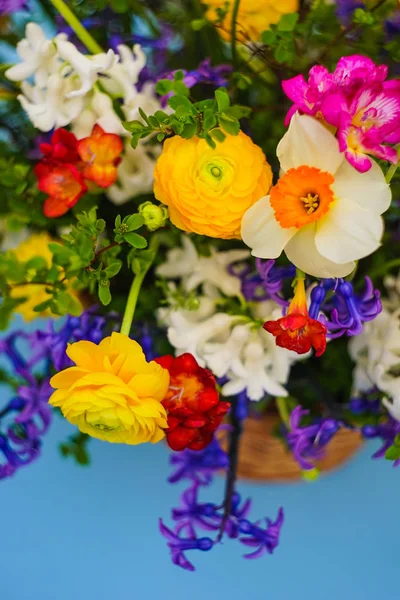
<point x="75" y="533"/>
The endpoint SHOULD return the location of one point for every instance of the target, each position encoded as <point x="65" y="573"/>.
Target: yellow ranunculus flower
<point x="113" y="393"/>
<point x="36" y="245"/>
<point x="254" y="16"/>
<point x="208" y="190"/>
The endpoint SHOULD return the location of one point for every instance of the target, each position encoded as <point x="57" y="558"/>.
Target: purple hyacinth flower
<point x="266" y="283"/>
<point x="198" y="466"/>
<point x="387" y="431"/>
<point x="179" y="545"/>
<point x="191" y="511"/>
<point x="8" y="7"/>
<point x="263" y="540"/>
<point x="347" y="310"/>
<point x="308" y="442"/>
<point x="346" y="8"/>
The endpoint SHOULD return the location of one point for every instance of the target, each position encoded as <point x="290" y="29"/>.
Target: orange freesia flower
<point x="297" y="331"/>
<point x="63" y="183"/>
<point x="101" y="154"/>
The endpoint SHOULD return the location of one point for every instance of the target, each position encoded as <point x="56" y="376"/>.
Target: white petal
<point x="303" y="253"/>
<point x="369" y="189"/>
<point x="262" y="232"/>
<point x="231" y="388"/>
<point x="348" y="232"/>
<point x="307" y="142"/>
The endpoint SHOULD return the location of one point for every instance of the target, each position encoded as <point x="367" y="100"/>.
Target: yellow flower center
<point x="301" y="196"/>
<point x="216" y="172"/>
<point x="311" y="202"/>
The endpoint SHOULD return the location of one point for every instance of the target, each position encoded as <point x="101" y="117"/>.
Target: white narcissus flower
<point x="99" y="111"/>
<point x="322" y="212"/>
<point x="196" y="270"/>
<point x="135" y="173"/>
<point x="38" y="56"/>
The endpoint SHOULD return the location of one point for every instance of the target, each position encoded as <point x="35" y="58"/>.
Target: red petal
<point x="54" y="207"/>
<point x="165" y="361"/>
<point x="180" y="438"/>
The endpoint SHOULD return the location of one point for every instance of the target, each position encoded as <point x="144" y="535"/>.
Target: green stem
<point x="135" y="288"/>
<point x="283" y="411"/>
<point x="382" y="270"/>
<point x="392" y="169"/>
<point x="79" y="29"/>
<point x="233" y="34"/>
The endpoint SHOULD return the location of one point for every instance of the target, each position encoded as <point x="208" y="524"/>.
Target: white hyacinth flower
<point x="49" y="108"/>
<point x="99" y="111"/>
<point x="123" y="76"/>
<point x="38" y="56"/>
<point x="135" y="173"/>
<point x="253" y="374"/>
<point x="85" y="68"/>
<point x="195" y="270"/>
<point x="223" y="356"/>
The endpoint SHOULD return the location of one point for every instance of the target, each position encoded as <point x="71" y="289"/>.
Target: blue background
<point x="90" y="533"/>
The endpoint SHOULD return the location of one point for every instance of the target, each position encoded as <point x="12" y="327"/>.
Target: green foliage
<point x="280" y="39"/>
<point x="209" y="119"/>
<point x="76" y="447"/>
<point x="393" y="453"/>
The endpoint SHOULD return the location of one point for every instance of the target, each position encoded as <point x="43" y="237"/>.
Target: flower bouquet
<point x="199" y="207"/>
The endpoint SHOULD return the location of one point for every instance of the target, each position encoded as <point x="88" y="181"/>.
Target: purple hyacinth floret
<point x="388" y="431"/>
<point x="263" y="540"/>
<point x="266" y="283"/>
<point x="308" y="442"/>
<point x="24" y="420"/>
<point x="347" y="310"/>
<point x="198" y="466"/>
<point x="205" y="73"/>
<point x="179" y="545"/>
<point x="8" y="7"/>
<point x="52" y="343"/>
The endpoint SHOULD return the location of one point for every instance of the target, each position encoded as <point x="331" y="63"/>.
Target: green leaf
<point x="164" y="86"/>
<point x="218" y="135"/>
<point x="237" y="111"/>
<point x="161" y="116"/>
<point x="269" y="37"/>
<point x="392" y="453"/>
<point x="134" y="126"/>
<point x="180" y="88"/>
<point x="288" y="22"/>
<point x="113" y="269"/>
<point x="135" y="240"/>
<point x="198" y="24"/>
<point x="210" y="120"/>
<point x="176" y="101"/>
<point x="144" y="116"/>
<point x="104" y="293"/>
<point x="36" y="263"/>
<point x="118" y="221"/>
<point x="210" y="141"/>
<point x="189" y="130"/>
<point x="42" y="306"/>
<point x="179" y="75"/>
<point x="222" y="99"/>
<point x="205" y="104"/>
<point x="160" y="137"/>
<point x="133" y="221"/>
<point x="229" y="124"/>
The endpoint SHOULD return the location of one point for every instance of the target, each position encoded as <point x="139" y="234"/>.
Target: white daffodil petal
<point x="369" y="189"/>
<point x="348" y="232"/>
<point x="262" y="232"/>
<point x="303" y="253"/>
<point x="307" y="142"/>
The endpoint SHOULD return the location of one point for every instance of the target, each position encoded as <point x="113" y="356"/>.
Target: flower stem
<point x="233" y="34"/>
<point x="137" y="284"/>
<point x="75" y="24"/>
<point x="392" y="169"/>
<point x="283" y="411"/>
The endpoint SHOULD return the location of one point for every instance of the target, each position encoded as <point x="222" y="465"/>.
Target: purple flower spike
<point x="178" y="545"/>
<point x="347" y="310"/>
<point x="309" y="442"/>
<point x="190" y="511"/>
<point x="388" y="432"/>
<point x="266" y="284"/>
<point x="263" y="540"/>
<point x="198" y="466"/>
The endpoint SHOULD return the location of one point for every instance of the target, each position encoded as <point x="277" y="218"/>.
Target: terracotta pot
<point x="263" y="457"/>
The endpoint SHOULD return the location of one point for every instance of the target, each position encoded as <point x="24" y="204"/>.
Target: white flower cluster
<point x="61" y="86"/>
<point x="376" y="352"/>
<point x="231" y="346"/>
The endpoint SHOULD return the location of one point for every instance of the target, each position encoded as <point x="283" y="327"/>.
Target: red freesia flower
<point x="297" y="331"/>
<point x="63" y="183"/>
<point x="100" y="153"/>
<point x="67" y="163"/>
<point x="192" y="403"/>
<point x="62" y="148"/>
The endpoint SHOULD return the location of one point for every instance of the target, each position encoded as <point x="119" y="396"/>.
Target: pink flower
<point x="355" y="99"/>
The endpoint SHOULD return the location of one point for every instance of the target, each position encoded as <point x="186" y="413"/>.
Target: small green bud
<point x="154" y="216"/>
<point x="311" y="475"/>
